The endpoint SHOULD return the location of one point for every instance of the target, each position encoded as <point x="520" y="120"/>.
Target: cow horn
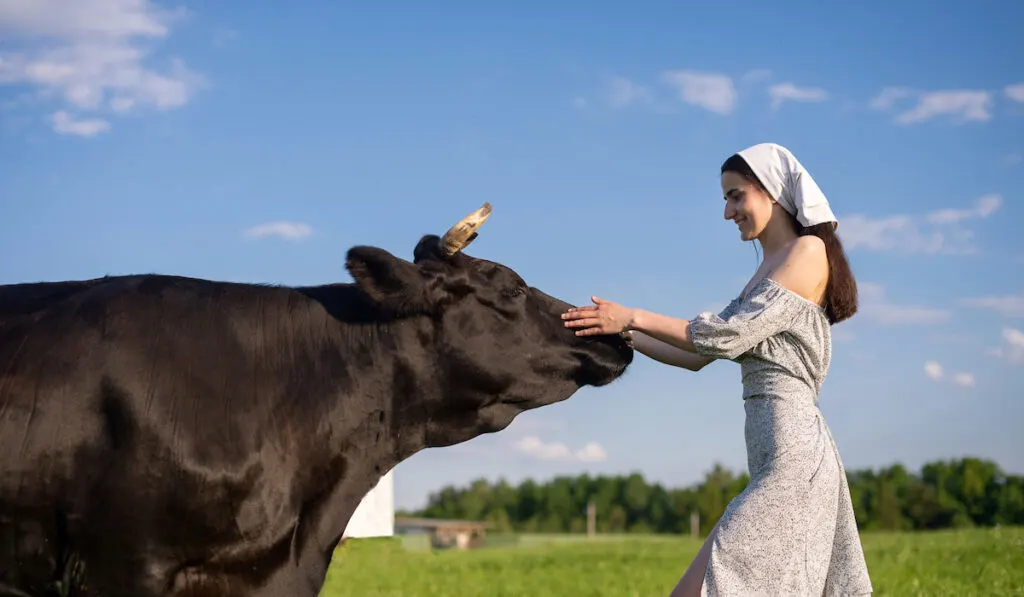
<point x="460" y="235"/>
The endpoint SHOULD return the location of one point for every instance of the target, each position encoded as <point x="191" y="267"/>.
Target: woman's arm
<point x="606" y="317"/>
<point x="668" y="354"/>
<point x="803" y="271"/>
<point x="766" y="310"/>
<point x="673" y="331"/>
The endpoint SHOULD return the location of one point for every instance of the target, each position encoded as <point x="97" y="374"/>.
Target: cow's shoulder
<point x="31" y="297"/>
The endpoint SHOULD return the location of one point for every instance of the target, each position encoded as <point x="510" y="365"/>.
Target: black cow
<point x="171" y="436"/>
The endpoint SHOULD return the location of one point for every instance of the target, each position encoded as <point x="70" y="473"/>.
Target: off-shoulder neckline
<point x="777" y="284"/>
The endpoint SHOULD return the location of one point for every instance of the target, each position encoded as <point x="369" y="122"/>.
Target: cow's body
<point x="169" y="436"/>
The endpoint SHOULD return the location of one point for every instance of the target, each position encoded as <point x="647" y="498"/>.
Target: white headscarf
<point x="789" y="183"/>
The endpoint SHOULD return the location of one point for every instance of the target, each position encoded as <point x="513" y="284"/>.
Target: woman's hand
<point x="603" y="317"/>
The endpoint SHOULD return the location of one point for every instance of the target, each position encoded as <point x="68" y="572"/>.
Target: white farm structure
<point x="375" y="516"/>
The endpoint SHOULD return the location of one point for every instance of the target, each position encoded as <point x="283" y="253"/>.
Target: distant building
<point x="375" y="516"/>
<point x="444" y="534"/>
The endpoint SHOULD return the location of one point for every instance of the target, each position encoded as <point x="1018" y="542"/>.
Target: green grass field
<point x="973" y="562"/>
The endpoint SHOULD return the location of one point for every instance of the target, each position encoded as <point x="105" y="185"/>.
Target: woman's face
<point x="746" y="205"/>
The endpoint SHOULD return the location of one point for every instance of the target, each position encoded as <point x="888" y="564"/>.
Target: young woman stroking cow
<point x="792" y="530"/>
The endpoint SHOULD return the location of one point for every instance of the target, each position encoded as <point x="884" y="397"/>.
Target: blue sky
<point x="243" y="141"/>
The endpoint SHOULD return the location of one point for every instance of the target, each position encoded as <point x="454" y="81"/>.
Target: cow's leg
<point x="30" y="561"/>
<point x="53" y="590"/>
<point x="286" y="583"/>
<point x="195" y="582"/>
<point x="303" y="577"/>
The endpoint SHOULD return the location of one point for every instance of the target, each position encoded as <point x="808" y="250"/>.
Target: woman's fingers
<point x="590" y="319"/>
<point x="577" y="312"/>
<point x="582" y="323"/>
<point x="584" y="308"/>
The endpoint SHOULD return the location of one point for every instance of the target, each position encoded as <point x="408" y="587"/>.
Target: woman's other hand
<point x="603" y="317"/>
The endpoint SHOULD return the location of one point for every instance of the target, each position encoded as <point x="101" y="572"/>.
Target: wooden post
<point x="695" y="524"/>
<point x="591" y="518"/>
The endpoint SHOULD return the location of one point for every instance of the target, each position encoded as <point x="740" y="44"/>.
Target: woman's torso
<point x="782" y="377"/>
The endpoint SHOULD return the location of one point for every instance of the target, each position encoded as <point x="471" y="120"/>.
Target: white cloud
<point x="1015" y="92"/>
<point x="938" y="232"/>
<point x="965" y="380"/>
<point x="983" y="207"/>
<point x="783" y="92"/>
<point x="876" y="308"/>
<point x="903" y="234"/>
<point x="592" y="452"/>
<point x="960" y="105"/>
<point x="934" y="371"/>
<point x="63" y="18"/>
<point x="1013" y="346"/>
<point x="293" y="231"/>
<point x="64" y="124"/>
<point x="88" y="55"/>
<point x="758" y="74"/>
<point x="535" y="422"/>
<point x="1008" y="305"/>
<point x="711" y="91"/>
<point x="534" y="446"/>
<point x="622" y="92"/>
<point x="880" y="234"/>
<point x="888" y="97"/>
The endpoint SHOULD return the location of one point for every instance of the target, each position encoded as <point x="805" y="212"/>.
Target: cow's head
<point x="500" y="345"/>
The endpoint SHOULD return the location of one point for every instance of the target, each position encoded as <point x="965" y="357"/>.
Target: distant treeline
<point x="944" y="494"/>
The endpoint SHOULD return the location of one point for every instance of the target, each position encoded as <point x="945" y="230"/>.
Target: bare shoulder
<point x="804" y="268"/>
<point x="808" y="250"/>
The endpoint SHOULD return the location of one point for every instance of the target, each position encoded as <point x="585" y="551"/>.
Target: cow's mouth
<point x="603" y="361"/>
<point x="623" y="351"/>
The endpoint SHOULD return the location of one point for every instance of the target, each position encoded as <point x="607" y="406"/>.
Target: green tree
<point x="951" y="493"/>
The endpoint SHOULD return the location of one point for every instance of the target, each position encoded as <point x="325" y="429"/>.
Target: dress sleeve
<point x="768" y="309"/>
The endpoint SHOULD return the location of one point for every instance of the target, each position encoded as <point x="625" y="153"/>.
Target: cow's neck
<point x="376" y="418"/>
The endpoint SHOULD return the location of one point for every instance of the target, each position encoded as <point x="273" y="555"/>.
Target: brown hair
<point x="841" y="288"/>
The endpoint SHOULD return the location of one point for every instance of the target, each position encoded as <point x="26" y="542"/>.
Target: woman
<point x="792" y="530"/>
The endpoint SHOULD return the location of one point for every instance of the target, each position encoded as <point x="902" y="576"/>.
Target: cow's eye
<point x="513" y="292"/>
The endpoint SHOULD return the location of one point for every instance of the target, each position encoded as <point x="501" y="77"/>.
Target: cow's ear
<point x="392" y="283"/>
